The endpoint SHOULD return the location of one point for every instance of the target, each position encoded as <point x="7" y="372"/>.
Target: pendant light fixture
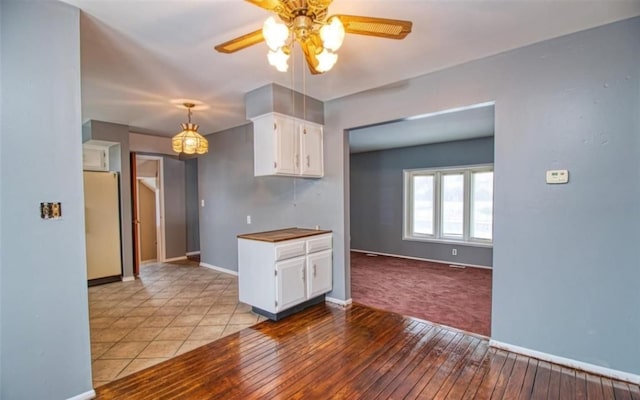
<point x="189" y="141"/>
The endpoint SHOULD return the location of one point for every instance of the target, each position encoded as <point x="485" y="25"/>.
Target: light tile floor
<point x="169" y="310"/>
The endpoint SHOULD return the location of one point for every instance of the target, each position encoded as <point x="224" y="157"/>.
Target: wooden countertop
<point x="282" y="234"/>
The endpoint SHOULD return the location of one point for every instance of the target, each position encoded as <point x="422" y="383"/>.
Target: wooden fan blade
<point x="241" y="42"/>
<point x="309" y="50"/>
<point x="271" y="5"/>
<point x="380" y="27"/>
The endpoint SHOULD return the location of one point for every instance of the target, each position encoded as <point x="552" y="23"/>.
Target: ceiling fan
<point x="319" y="36"/>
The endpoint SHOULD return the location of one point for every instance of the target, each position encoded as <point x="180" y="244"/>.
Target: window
<point x="423" y="204"/>
<point x="452" y="204"/>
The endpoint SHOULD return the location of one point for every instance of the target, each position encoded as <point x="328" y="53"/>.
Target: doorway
<point x="421" y="213"/>
<point x="149" y="210"/>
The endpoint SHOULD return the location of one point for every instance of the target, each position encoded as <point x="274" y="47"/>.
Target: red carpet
<point x="460" y="298"/>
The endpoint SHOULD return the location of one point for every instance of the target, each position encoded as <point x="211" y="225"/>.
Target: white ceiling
<point x="138" y="56"/>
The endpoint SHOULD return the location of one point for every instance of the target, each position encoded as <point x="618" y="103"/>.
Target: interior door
<point x="102" y="224"/>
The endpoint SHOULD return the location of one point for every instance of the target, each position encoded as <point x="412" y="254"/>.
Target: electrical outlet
<point x="51" y="210"/>
<point x="248" y="219"/>
<point x="454" y="252"/>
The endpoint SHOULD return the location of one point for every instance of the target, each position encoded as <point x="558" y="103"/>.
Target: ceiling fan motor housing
<point x="302" y="26"/>
<point x="316" y="10"/>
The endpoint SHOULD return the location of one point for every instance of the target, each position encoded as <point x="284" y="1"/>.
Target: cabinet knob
<point x="308" y="161"/>
<point x="314" y="270"/>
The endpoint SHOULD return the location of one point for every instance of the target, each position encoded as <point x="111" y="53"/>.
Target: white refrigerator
<point x="102" y="224"/>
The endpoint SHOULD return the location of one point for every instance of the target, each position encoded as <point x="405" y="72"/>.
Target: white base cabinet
<point x="274" y="277"/>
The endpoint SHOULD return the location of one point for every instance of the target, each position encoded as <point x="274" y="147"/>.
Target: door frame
<point x="160" y="227"/>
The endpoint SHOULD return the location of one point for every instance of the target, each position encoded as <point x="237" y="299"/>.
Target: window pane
<point x="482" y="205"/>
<point x="423" y="204"/>
<point x="452" y="205"/>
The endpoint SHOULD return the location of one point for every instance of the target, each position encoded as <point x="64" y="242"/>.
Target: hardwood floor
<point x="327" y="352"/>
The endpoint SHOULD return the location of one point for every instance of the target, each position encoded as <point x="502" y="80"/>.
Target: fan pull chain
<point x="293" y="111"/>
<point x="304" y="94"/>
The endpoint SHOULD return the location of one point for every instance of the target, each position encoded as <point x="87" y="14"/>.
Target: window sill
<point x="448" y="241"/>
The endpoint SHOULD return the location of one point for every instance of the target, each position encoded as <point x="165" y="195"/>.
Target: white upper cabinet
<point x="287" y="146"/>
<point x="95" y="158"/>
<point x="310" y="149"/>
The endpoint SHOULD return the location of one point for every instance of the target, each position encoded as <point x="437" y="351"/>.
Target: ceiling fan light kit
<point x="189" y="141"/>
<point x="319" y="36"/>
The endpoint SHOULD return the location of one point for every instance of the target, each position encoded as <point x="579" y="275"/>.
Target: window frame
<point x="437" y="174"/>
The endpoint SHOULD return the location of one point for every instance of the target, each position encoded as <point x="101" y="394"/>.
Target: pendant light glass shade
<point x="325" y="39"/>
<point x="189" y="141"/>
<point x="326" y="60"/>
<point x="275" y="33"/>
<point x="279" y="59"/>
<point x="332" y="34"/>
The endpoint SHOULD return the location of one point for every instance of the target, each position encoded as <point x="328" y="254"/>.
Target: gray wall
<point x="175" y="224"/>
<point x="1" y="251"/>
<point x="118" y="133"/>
<point x="45" y="323"/>
<point x="565" y="266"/>
<point x="276" y="98"/>
<point x="377" y="187"/>
<point x="192" y="207"/>
<point x="231" y="192"/>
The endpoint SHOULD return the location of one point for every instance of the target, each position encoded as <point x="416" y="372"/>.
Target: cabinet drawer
<point x="289" y="250"/>
<point x="319" y="243"/>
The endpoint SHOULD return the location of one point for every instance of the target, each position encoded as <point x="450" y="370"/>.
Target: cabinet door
<point x="94" y="159"/>
<point x="319" y="270"/>
<point x="290" y="283"/>
<point x="287" y="157"/>
<point x="311" y="149"/>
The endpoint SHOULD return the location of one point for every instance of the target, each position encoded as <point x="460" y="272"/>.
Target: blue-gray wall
<point x="565" y="265"/>
<point x="1" y="251"/>
<point x="192" y="204"/>
<point x="377" y="187"/>
<point x="231" y="192"/>
<point x="174" y="174"/>
<point x="175" y="214"/>
<point x="44" y="314"/>
<point x="276" y="98"/>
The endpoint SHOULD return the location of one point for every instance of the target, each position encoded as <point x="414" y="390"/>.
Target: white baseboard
<point x="91" y="394"/>
<point x="147" y="262"/>
<point x="128" y="278"/>
<point x="175" y="259"/>
<point x="219" y="269"/>
<point x="192" y="253"/>
<point x="422" y="259"/>
<point x="567" y="362"/>
<point x="343" y="303"/>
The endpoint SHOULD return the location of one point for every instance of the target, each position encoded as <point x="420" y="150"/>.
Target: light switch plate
<point x="557" y="176"/>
